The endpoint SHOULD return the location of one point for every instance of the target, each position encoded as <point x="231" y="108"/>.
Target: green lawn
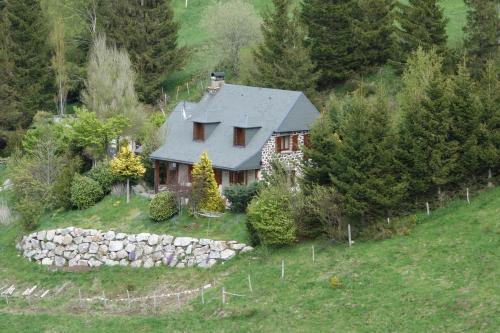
<point x="442" y="277"/>
<point x="113" y="212"/>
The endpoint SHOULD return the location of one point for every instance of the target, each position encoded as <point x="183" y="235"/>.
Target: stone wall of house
<point x="93" y="248"/>
<point x="291" y="159"/>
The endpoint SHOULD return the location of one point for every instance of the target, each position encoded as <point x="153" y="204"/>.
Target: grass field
<point x="442" y="277"/>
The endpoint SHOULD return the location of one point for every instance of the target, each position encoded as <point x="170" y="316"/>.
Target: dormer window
<point x="239" y="136"/>
<point x="198" y="131"/>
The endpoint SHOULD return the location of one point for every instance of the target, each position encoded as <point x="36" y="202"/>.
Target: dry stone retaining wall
<point x="93" y="248"/>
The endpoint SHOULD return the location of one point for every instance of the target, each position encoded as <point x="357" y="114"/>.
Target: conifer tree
<point x="482" y="33"/>
<point x="27" y="82"/>
<point x="330" y="34"/>
<point x="465" y="115"/>
<point x="365" y="167"/>
<point x="127" y="165"/>
<point x="489" y="134"/>
<point x="324" y="143"/>
<point x="421" y="24"/>
<point x="427" y="152"/>
<point x="206" y="195"/>
<point x="281" y="60"/>
<point x="373" y="30"/>
<point x="147" y="30"/>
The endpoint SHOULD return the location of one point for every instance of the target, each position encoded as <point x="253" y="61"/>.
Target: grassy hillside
<point x="442" y="276"/>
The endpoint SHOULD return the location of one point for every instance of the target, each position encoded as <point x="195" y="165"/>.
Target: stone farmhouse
<point x="240" y="127"/>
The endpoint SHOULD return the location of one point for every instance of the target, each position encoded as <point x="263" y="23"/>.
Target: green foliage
<point x="281" y="59"/>
<point x="421" y="24"/>
<point x="205" y="192"/>
<point x="365" y="169"/>
<point x="427" y="153"/>
<point x="148" y="31"/>
<point x="41" y="129"/>
<point x="330" y="34"/>
<point x="482" y="34"/>
<point x="163" y="207"/>
<point x="61" y="190"/>
<point x="373" y="26"/>
<point x="103" y="174"/>
<point x="320" y="211"/>
<point x="27" y="85"/>
<point x="269" y="215"/>
<point x="85" y="192"/>
<point x="240" y="196"/>
<point x="30" y="212"/>
<point x="93" y="135"/>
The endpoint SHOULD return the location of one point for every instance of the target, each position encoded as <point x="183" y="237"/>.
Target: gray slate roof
<point x="263" y="110"/>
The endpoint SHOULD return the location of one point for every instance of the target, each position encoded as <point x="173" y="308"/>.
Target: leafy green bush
<point x="61" y="190"/>
<point x="103" y="175"/>
<point x="270" y="215"/>
<point x="240" y="196"/>
<point x="163" y="206"/>
<point x="85" y="192"/>
<point x="30" y="212"/>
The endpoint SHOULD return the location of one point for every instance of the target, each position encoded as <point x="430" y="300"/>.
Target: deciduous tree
<point x="127" y="165"/>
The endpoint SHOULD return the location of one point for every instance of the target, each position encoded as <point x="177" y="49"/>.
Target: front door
<point x="172" y="173"/>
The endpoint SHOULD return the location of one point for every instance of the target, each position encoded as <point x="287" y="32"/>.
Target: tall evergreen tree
<point x="281" y="60"/>
<point x="330" y="34"/>
<point x="365" y="167"/>
<point x="147" y="30"/>
<point x="489" y="134"/>
<point x="482" y="33"/>
<point x="24" y="63"/>
<point x="373" y="30"/>
<point x="421" y="24"/>
<point x="465" y="116"/>
<point x="427" y="152"/>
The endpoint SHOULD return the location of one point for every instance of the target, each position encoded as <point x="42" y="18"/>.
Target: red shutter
<point x="190" y="173"/>
<point x="278" y="144"/>
<point x="295" y="142"/>
<point x="306" y="140"/>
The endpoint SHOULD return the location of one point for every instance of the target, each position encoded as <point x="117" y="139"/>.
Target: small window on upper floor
<point x="198" y="132"/>
<point x="239" y="136"/>
<point x="282" y="143"/>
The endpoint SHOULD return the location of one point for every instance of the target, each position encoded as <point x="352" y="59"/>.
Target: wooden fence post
<point x="428" y="208"/>
<point x="223" y="296"/>
<point x="202" y="295"/>
<point x="250" y="284"/>
<point x="282" y="269"/>
<point x="313" y="256"/>
<point x="468" y="199"/>
<point x="349" y="234"/>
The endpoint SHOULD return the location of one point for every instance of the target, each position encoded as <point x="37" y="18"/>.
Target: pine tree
<point x="421" y="24"/>
<point x="330" y="34"/>
<point x="127" y="165"/>
<point x="482" y="33"/>
<point x="465" y="116"/>
<point x="281" y="60"/>
<point x="205" y="192"/>
<point x="324" y="144"/>
<point x="147" y="30"/>
<point x="426" y="150"/>
<point x="24" y="63"/>
<point x="364" y="169"/>
<point x="373" y="29"/>
<point x="489" y="134"/>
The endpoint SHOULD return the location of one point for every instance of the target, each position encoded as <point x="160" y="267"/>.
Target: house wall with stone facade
<point x="290" y="158"/>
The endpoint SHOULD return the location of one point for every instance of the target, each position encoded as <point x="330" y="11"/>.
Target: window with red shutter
<point x="306" y="140"/>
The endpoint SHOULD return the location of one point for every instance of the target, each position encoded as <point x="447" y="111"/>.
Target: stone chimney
<point x="217" y="81"/>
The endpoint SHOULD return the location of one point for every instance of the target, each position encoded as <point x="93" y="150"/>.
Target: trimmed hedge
<point x="85" y="192"/>
<point x="163" y="207"/>
<point x="240" y="196"/>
